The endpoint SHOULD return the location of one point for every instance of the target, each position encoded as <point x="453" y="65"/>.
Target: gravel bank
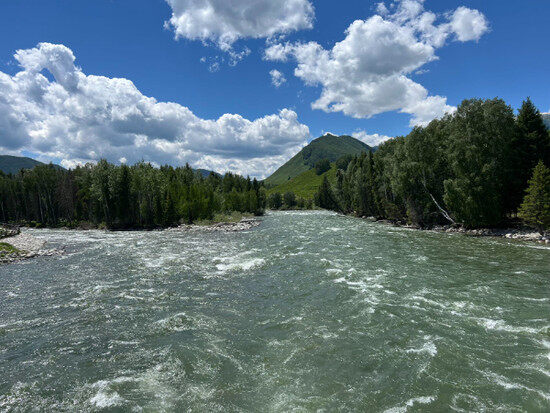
<point x="28" y="247"/>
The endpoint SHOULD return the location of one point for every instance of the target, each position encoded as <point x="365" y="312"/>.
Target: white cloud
<point x="468" y="24"/>
<point x="225" y="21"/>
<point x="78" y="118"/>
<point x="277" y="78"/>
<point x="370" y="139"/>
<point x="367" y="73"/>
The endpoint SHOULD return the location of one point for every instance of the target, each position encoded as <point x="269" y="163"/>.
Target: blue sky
<point x="130" y="40"/>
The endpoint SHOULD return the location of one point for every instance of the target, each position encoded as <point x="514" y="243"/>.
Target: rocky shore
<point x="519" y="234"/>
<point x="242" y="225"/>
<point x="510" y="233"/>
<point x="27" y="246"/>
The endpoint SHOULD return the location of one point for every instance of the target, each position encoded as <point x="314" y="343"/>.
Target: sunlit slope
<point x="306" y="184"/>
<point x="329" y="147"/>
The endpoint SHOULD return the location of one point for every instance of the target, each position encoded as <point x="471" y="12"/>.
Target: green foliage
<point x="460" y="169"/>
<point x="326" y="147"/>
<point x="304" y="185"/>
<point x="535" y="209"/>
<point x="275" y="201"/>
<point x="122" y="197"/>
<point x="480" y="143"/>
<point x="325" y="197"/>
<point x="322" y="166"/>
<point x="343" y="162"/>
<point x="6" y="249"/>
<point x="531" y="145"/>
<point x="289" y="200"/>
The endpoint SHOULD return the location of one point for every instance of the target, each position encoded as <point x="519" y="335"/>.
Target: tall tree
<point x="535" y="209"/>
<point x="531" y="145"/>
<point x="325" y="197"/>
<point x="481" y="137"/>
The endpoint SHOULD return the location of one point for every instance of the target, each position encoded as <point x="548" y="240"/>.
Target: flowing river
<point x="311" y="311"/>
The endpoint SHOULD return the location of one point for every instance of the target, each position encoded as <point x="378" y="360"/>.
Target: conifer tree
<point x="534" y="134"/>
<point x="535" y="209"/>
<point x="325" y="197"/>
<point x="531" y="145"/>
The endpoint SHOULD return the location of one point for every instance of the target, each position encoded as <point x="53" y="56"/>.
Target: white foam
<point x="103" y="400"/>
<point x="411" y="403"/>
<point x="509" y="385"/>
<point x="500" y="325"/>
<point x="244" y="265"/>
<point x="429" y="347"/>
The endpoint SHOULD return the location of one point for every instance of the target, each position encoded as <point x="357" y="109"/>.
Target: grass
<point x="220" y="217"/>
<point x="304" y="185"/>
<point x="6" y="249"/>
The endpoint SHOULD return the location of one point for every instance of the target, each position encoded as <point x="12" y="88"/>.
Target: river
<point x="310" y="311"/>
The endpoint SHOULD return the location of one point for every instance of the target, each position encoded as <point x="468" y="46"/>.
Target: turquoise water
<point x="308" y="312"/>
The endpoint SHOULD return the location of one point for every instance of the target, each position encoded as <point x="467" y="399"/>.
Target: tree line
<point x="472" y="168"/>
<point x="124" y="197"/>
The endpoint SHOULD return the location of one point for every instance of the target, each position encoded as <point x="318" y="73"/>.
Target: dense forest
<point x="122" y="197"/>
<point x="471" y="168"/>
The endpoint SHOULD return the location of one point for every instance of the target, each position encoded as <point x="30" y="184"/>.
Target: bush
<point x="322" y="166"/>
<point x="289" y="199"/>
<point x="275" y="201"/>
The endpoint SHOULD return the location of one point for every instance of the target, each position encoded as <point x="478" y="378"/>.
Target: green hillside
<point x="304" y="185"/>
<point x="13" y="164"/>
<point x="329" y="147"/>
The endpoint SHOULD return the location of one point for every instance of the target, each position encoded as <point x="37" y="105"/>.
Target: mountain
<point x="546" y="119"/>
<point x="329" y="147"/>
<point x="306" y="184"/>
<point x="206" y="173"/>
<point x="13" y="164"/>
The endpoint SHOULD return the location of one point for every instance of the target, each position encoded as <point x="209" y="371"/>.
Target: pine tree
<point x="532" y="144"/>
<point x="535" y="209"/>
<point x="534" y="133"/>
<point x="325" y="197"/>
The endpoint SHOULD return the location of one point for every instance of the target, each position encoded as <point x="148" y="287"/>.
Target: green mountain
<point x="306" y="184"/>
<point x="546" y="119"/>
<point x="13" y="164"/>
<point x="329" y="147"/>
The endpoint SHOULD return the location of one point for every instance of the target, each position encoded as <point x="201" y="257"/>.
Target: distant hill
<point x="205" y="172"/>
<point x="13" y="164"/>
<point x="546" y="119"/>
<point x="306" y="184"/>
<point x="329" y="147"/>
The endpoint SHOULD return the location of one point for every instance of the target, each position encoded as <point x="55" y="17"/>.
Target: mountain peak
<point x="328" y="146"/>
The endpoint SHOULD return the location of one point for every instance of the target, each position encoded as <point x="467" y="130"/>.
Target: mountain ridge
<point x="10" y="164"/>
<point x="328" y="146"/>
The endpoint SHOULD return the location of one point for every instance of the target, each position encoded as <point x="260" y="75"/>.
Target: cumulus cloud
<point x="79" y="118"/>
<point x="367" y="73"/>
<point x="374" y="139"/>
<point x="225" y="21"/>
<point x="468" y="24"/>
<point x="277" y="78"/>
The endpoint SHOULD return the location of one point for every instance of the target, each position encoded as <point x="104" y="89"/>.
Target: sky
<point x="242" y="85"/>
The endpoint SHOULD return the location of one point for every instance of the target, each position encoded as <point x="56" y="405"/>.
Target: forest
<point x="123" y="197"/>
<point x="474" y="168"/>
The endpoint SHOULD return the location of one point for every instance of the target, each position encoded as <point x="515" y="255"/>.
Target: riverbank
<point x="23" y="246"/>
<point x="521" y="234"/>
